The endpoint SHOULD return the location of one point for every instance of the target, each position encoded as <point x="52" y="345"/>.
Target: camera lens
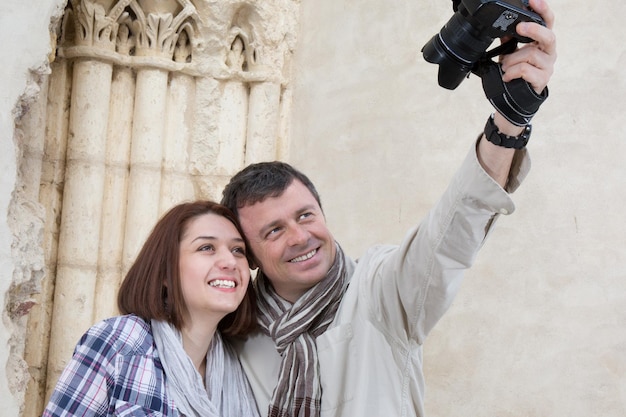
<point x="456" y="48"/>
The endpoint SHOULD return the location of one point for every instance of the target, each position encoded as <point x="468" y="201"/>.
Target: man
<point x="342" y="338"/>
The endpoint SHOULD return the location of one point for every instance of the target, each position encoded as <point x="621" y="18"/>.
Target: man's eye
<point x="273" y="231"/>
<point x="306" y="215"/>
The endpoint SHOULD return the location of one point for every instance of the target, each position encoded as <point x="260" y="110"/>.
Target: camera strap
<point x="516" y="100"/>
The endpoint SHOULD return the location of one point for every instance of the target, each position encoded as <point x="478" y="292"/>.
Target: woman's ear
<point x="253" y="263"/>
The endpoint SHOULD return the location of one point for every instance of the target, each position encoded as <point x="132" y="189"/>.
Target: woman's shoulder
<point x="128" y="334"/>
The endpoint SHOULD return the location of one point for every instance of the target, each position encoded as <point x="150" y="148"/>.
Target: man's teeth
<point x="222" y="283"/>
<point x="304" y="257"/>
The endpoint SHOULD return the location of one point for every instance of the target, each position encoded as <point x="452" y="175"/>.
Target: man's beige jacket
<point x="371" y="355"/>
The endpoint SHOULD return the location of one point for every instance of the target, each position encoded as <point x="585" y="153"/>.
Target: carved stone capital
<point x="158" y="25"/>
<point x="95" y="21"/>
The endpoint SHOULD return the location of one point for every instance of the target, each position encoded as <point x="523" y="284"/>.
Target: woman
<point x="165" y="356"/>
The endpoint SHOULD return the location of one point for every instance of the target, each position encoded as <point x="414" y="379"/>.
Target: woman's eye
<point x="205" y="248"/>
<point x="239" y="250"/>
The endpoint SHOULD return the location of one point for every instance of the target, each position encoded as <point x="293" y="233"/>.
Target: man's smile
<point x="304" y="257"/>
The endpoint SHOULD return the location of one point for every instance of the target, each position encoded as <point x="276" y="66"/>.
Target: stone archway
<point x="147" y="103"/>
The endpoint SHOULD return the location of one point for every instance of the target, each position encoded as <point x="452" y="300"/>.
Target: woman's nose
<point x="226" y="259"/>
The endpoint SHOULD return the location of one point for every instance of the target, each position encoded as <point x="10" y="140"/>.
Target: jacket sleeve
<point x="411" y="286"/>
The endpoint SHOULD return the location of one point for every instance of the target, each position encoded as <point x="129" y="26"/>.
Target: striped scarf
<point x="294" y="329"/>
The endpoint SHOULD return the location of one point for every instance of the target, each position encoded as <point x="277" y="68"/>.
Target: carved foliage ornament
<point x="145" y="27"/>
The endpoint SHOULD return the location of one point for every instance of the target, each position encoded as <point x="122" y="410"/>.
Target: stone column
<point x="113" y="222"/>
<point x="83" y="194"/>
<point x="82" y="210"/>
<point x="232" y="124"/>
<point x="146" y="151"/>
<point x="263" y="116"/>
<point x="157" y="26"/>
<point x="176" y="185"/>
<point x="114" y="202"/>
<point x="233" y="113"/>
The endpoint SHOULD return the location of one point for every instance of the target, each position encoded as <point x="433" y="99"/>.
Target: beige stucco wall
<point x="538" y="329"/>
<point x="539" y="326"/>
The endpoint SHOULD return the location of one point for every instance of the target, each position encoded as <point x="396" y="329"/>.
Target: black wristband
<point x="494" y="136"/>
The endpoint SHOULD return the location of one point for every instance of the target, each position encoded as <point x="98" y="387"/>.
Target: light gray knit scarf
<point x="227" y="392"/>
<point x="294" y="327"/>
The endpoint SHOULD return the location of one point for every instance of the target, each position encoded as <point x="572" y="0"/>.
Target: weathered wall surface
<point x="538" y="328"/>
<point x="26" y="43"/>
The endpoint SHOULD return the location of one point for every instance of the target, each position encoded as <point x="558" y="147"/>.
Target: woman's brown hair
<point x="152" y="288"/>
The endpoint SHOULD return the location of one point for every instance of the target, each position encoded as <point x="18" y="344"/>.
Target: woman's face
<point x="214" y="271"/>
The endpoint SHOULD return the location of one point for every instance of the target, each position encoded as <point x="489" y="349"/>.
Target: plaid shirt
<point x="115" y="370"/>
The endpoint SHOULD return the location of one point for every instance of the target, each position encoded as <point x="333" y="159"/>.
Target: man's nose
<point x="298" y="235"/>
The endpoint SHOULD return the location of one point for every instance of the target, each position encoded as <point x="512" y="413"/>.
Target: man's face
<point x="289" y="239"/>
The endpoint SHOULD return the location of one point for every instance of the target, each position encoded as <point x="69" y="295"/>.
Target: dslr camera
<point x="464" y="39"/>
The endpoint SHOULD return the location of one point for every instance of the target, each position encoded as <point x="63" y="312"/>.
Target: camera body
<point x="464" y="39"/>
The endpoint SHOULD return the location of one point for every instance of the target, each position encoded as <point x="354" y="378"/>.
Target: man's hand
<point x="534" y="62"/>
